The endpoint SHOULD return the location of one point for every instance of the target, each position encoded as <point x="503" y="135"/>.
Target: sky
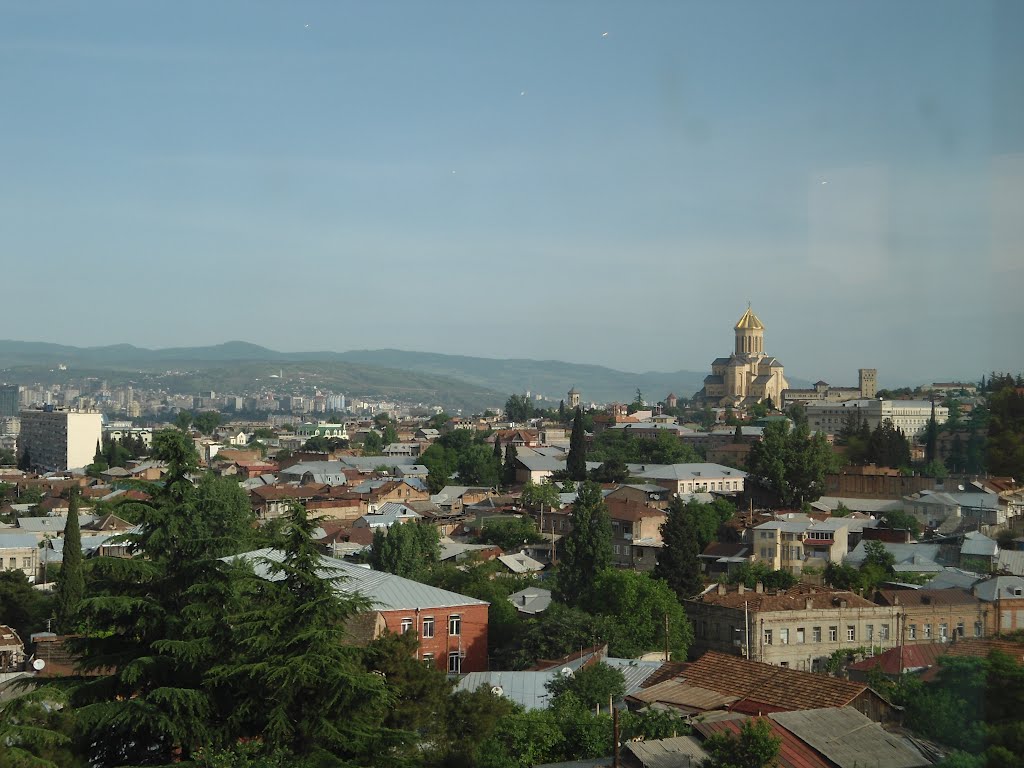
<point x="587" y="181"/>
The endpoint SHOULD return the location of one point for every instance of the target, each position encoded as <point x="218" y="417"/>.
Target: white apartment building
<point x="57" y="440"/>
<point x="909" y="415"/>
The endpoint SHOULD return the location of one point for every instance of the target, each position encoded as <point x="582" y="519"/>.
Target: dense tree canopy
<point x="587" y="547"/>
<point x="677" y="561"/>
<point x="791" y="463"/>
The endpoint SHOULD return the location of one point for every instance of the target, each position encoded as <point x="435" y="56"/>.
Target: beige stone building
<point x="822" y="392"/>
<point x="748" y="375"/>
<point x="797" y="628"/>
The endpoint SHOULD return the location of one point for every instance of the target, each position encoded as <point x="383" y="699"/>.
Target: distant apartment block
<point x="9" y="400"/>
<point x="58" y="439"/>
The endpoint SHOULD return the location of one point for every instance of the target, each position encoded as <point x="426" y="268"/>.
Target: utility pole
<point x="666" y="637"/>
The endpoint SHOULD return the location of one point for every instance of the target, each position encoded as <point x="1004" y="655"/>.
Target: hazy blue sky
<point x="594" y="182"/>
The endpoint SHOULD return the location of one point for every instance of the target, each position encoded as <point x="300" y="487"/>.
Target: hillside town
<point x="834" y="574"/>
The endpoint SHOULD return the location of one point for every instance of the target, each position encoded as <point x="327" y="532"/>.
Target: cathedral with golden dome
<point x="748" y="375"/>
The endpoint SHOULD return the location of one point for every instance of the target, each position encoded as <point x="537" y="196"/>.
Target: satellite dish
<point x="497" y="690"/>
<point x="961" y="487"/>
<point x="38" y="665"/>
<point x="565" y="672"/>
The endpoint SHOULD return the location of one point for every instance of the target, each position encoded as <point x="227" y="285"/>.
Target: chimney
<point x="759" y="588"/>
<point x="808" y="604"/>
<point x="741" y="588"/>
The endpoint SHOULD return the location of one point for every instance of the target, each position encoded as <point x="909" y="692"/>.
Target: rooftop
<point x="795" y="599"/>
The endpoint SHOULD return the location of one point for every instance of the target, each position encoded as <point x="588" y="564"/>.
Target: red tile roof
<point x="773" y="686"/>
<point x="794" y="599"/>
<point x="914" y="657"/>
<point x="913" y="598"/>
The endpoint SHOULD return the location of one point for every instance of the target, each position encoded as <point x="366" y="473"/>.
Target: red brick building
<point x="452" y="628"/>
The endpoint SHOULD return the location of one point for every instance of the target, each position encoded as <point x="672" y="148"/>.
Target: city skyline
<point x="580" y="182"/>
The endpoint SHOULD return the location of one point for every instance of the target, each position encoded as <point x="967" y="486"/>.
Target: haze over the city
<point x="593" y="182"/>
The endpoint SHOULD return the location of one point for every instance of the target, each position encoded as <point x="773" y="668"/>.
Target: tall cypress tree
<point x="576" y="462"/>
<point x="931" y="438"/>
<point x="588" y="546"/>
<point x="71" y="587"/>
<point x="508" y="471"/>
<point x="678" y="562"/>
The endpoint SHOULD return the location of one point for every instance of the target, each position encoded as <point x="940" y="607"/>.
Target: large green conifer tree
<point x="576" y="462"/>
<point x="677" y="561"/>
<point x="588" y="547"/>
<point x="71" y="587"/>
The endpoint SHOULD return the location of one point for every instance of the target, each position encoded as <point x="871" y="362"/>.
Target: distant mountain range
<point x="455" y="380"/>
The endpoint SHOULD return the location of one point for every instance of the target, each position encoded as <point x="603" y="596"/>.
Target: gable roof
<point x="777" y="686"/>
<point x="847" y="738"/>
<point x="385" y="590"/>
<point x="903" y="658"/>
<point x="793" y="753"/>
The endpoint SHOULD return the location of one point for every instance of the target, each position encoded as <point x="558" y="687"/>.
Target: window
<point x="816" y="635"/>
<point x="615" y="549"/>
<point x="927" y="631"/>
<point x="783" y="637"/>
<point x="428" y="659"/>
<point x="454" y="663"/>
<point x="851" y="633"/>
<point x="833" y="634"/>
<point x="428" y="626"/>
<point x="26" y="562"/>
<point x="800" y="635"/>
<point x="869" y="632"/>
<point x="912" y="632"/>
<point x="455" y="624"/>
<point x="959" y="629"/>
<point x="977" y="629"/>
<point x="883" y="632"/>
<point x="767" y="637"/>
<point x="943" y="632"/>
<point x="406" y="625"/>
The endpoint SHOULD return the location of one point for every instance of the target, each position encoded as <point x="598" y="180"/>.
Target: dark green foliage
<point x="290" y="640"/>
<point x="71" y="587"/>
<point x="636" y="607"/>
<point x="543" y="496"/>
<point x="477" y="466"/>
<point x="159" y="622"/>
<point x="594" y="685"/>
<point x="471" y="718"/>
<point x="791" y="463"/>
<point x="510" y="533"/>
<point x="753" y="747"/>
<point x="508" y="470"/>
<point x="576" y="461"/>
<point x="419" y="695"/>
<point x="518" y="409"/>
<point x="32" y="733"/>
<point x="749" y="574"/>
<point x="463" y="452"/>
<point x="406" y="549"/>
<point x="677" y="562"/>
<point x="372" y="444"/>
<point x="876" y="554"/>
<point x="888" y="446"/>
<point x="610" y="471"/>
<point x="931" y="437"/>
<point x="206" y="421"/>
<point x="557" y="632"/>
<point x="21" y="607"/>
<point x="621" y="447"/>
<point x="898" y="519"/>
<point x="1005" y="450"/>
<point x="587" y="547"/>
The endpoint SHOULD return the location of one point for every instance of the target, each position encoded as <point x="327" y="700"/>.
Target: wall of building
<point x="60" y="440"/>
<point x="470" y="642"/>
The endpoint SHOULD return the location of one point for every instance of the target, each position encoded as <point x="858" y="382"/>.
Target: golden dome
<point x="749" y="322"/>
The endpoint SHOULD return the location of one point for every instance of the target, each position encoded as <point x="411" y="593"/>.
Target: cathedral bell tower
<point x="749" y="335"/>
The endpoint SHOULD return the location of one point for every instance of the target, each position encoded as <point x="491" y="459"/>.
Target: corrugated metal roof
<point x="793" y="753"/>
<point x="678" y="752"/>
<point x="848" y="738"/>
<point x="385" y="590"/>
<point x="634" y="671"/>
<point x="528" y="689"/>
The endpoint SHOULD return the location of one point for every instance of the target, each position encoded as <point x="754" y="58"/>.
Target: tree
<point x="677" y="561"/>
<point x="510" y="533"/>
<point x="594" y="685"/>
<point x="588" y="546"/>
<point x="406" y="549"/>
<point x="372" y="444"/>
<point x="30" y="731"/>
<point x="749" y="574"/>
<point x="637" y="607"/>
<point x="71" y="587"/>
<point x="476" y="466"/>
<point x="518" y="409"/>
<point x="155" y="624"/>
<point x="292" y="640"/>
<point x="875" y="553"/>
<point x="25" y="462"/>
<point x="23" y="608"/>
<point x="576" y="462"/>
<point x="206" y="421"/>
<point x="791" y="463"/>
<point x="540" y="496"/>
<point x="753" y="747"/>
<point x="508" y="470"/>
<point x="900" y="520"/>
<point x="931" y="437"/>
